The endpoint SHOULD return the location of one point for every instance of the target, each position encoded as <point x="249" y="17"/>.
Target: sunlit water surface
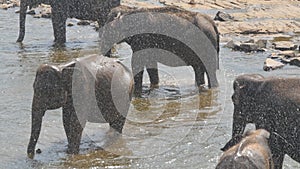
<point x="172" y="127"/>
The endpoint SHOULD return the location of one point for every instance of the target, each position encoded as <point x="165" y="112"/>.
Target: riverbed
<point x="173" y="127"/>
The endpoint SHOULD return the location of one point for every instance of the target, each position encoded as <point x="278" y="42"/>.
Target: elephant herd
<point x="99" y="89"/>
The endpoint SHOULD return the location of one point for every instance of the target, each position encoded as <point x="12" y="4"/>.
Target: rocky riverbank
<point x="269" y="26"/>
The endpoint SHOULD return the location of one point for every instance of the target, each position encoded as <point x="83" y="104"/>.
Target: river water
<point x="173" y="127"/>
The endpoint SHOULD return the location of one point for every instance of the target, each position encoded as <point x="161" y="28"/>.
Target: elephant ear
<point x="246" y="87"/>
<point x="236" y="139"/>
<point x="263" y="133"/>
<point x="67" y="73"/>
<point x="48" y="87"/>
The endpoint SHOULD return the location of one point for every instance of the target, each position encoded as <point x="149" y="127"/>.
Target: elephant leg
<point x="153" y="75"/>
<point x="277" y="149"/>
<point x="73" y="128"/>
<point x="118" y="124"/>
<point x="138" y="80"/>
<point x="66" y="120"/>
<point x="59" y="18"/>
<point x="199" y="75"/>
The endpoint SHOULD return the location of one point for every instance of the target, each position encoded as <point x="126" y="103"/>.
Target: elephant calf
<point x="90" y="89"/>
<point x="252" y="151"/>
<point x="272" y="104"/>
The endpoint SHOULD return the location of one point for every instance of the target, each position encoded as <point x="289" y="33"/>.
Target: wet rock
<point x="223" y="16"/>
<point x="295" y="61"/>
<point x="6" y="6"/>
<point x="162" y="1"/>
<point x="284" y="45"/>
<point x="262" y="43"/>
<point x="278" y="38"/>
<point x="250" y="31"/>
<point x="70" y="24"/>
<point x="38" y="151"/>
<point x="249" y="47"/>
<point x="83" y="22"/>
<point x="233" y="45"/>
<point x="287" y="53"/>
<point x="37" y="16"/>
<point x="192" y="2"/>
<point x="271" y="64"/>
<point x="31" y="12"/>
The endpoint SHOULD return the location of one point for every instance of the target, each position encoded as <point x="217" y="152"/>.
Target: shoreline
<point x="257" y="17"/>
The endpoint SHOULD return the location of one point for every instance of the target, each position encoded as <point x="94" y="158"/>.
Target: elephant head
<point x="248" y="151"/>
<point x="244" y="98"/>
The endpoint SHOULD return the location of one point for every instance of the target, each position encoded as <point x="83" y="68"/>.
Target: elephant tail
<point x="23" y="9"/>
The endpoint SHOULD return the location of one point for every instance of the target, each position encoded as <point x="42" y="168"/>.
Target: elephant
<point x="93" y="89"/>
<point x="62" y="9"/>
<point x="251" y="151"/>
<point x="148" y="40"/>
<point x="273" y="104"/>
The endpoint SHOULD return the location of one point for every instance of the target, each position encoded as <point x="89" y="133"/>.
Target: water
<point x="173" y="128"/>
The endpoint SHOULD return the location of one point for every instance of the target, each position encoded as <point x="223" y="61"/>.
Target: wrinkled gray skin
<point x="272" y="104"/>
<point x="62" y="9"/>
<point x="251" y="151"/>
<point x="53" y="89"/>
<point x="147" y="40"/>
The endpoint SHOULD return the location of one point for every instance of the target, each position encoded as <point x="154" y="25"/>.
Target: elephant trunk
<point x="36" y="124"/>
<point x="239" y="122"/>
<point x="23" y="9"/>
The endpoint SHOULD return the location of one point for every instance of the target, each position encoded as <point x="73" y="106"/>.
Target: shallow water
<point x="172" y="128"/>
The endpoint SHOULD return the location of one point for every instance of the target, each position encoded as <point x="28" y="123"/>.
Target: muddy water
<point x="173" y="127"/>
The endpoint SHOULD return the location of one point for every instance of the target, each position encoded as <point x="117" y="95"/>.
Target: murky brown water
<point x="173" y="128"/>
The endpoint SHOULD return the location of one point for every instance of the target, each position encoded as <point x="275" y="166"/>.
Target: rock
<point x="31" y="12"/>
<point x="250" y="31"/>
<point x="45" y="11"/>
<point x="38" y="151"/>
<point x="192" y="2"/>
<point x="233" y="45"/>
<point x="46" y="15"/>
<point x="37" y="16"/>
<point x="284" y="45"/>
<point x="162" y="1"/>
<point x="271" y="64"/>
<point x="282" y="38"/>
<point x="248" y="47"/>
<point x="83" y="22"/>
<point x="70" y="24"/>
<point x="295" y="61"/>
<point x="261" y="43"/>
<point x="287" y="53"/>
<point x="4" y="6"/>
<point x="223" y="16"/>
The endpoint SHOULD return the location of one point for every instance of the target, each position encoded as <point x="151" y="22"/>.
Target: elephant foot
<point x="30" y="155"/>
<point x="72" y="151"/>
<point x="111" y="133"/>
<point x="154" y="86"/>
<point x="118" y="124"/>
<point x="202" y="88"/>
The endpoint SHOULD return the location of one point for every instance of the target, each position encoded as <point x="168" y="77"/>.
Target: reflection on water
<point x="171" y="127"/>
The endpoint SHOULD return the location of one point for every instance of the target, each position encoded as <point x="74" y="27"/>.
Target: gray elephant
<point x="251" y="151"/>
<point x="272" y="104"/>
<point x="138" y="42"/>
<point x="91" y="89"/>
<point x="62" y="9"/>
